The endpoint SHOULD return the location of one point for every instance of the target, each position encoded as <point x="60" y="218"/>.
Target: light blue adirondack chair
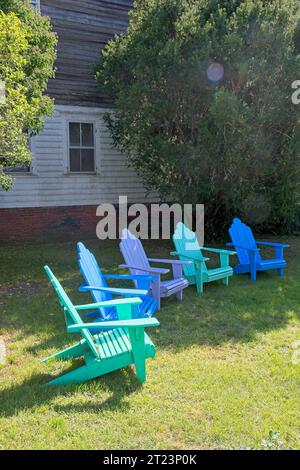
<point x="137" y="262"/>
<point x="188" y="248"/>
<point x="95" y="283"/>
<point x="250" y="260"/>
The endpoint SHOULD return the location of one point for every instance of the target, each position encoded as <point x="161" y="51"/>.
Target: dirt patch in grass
<point x="26" y="289"/>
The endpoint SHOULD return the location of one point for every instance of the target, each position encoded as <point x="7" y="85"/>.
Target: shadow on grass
<point x="236" y="314"/>
<point x="222" y="314"/>
<point x="33" y="393"/>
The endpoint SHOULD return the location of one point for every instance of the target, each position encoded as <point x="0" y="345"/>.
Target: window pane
<point x="18" y="168"/>
<point x="74" y="160"/>
<point x="74" y="132"/>
<point x="87" y="135"/>
<point x="87" y="160"/>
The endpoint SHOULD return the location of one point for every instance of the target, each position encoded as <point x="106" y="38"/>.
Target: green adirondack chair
<point x="188" y="248"/>
<point x="124" y="343"/>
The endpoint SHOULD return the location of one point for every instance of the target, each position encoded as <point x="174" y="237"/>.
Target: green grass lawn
<point x="223" y="376"/>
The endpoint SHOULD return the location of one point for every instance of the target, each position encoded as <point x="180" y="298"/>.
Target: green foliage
<point x="27" y="54"/>
<point x="232" y="145"/>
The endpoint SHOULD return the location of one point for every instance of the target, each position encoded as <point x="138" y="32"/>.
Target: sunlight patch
<point x="296" y="352"/>
<point x="2" y="352"/>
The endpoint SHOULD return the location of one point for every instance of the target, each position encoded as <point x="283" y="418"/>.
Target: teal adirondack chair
<point x="188" y="248"/>
<point x="124" y="343"/>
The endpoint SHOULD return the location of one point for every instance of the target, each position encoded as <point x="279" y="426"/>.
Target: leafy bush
<point x="195" y="134"/>
<point x="27" y="54"/>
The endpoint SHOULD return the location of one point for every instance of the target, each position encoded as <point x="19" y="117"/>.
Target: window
<point x="19" y="169"/>
<point x="81" y="147"/>
<point x="35" y="4"/>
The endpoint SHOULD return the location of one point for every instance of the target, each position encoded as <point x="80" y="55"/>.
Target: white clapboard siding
<point x="49" y="183"/>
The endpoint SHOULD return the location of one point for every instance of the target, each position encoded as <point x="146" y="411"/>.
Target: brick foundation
<point x="48" y="223"/>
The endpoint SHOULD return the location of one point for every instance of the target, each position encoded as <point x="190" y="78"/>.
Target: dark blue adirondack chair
<point x="250" y="260"/>
<point x="96" y="284"/>
<point x="137" y="262"/>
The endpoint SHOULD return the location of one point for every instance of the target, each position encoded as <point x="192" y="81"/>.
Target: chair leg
<point x="137" y="339"/>
<point x="280" y="272"/>
<point x="199" y="285"/>
<point x="226" y="281"/>
<point x="155" y="288"/>
<point x="199" y="277"/>
<point x="74" y="351"/>
<point x="252" y="257"/>
<point x="179" y="295"/>
<point x="81" y="374"/>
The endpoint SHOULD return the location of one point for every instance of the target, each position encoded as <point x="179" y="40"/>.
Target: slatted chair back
<point x="134" y="255"/>
<point x="71" y="315"/>
<point x="242" y="236"/>
<point x="93" y="276"/>
<point x="186" y="242"/>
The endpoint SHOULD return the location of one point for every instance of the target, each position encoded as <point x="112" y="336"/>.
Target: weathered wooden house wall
<point x="83" y="28"/>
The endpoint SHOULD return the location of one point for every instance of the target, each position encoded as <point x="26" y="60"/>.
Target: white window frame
<point x="69" y="147"/>
<point x="81" y="114"/>
<point x="36" y="4"/>
<point x="31" y="167"/>
<point x="15" y="171"/>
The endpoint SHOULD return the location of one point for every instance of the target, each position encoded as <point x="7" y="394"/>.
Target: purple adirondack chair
<point x="137" y="262"/>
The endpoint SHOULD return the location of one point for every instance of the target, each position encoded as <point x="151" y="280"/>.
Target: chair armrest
<point x="115" y="290"/>
<point x="110" y="303"/>
<point x="135" y="323"/>
<point x="281" y="245"/>
<point x="176" y="253"/>
<point x="168" y="261"/>
<point x="243" y="247"/>
<point x="159" y="270"/>
<point x="146" y="270"/>
<point x="132" y="277"/>
<point x="218" y="250"/>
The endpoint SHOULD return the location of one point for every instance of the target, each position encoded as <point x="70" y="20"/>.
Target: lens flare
<point x="215" y="73"/>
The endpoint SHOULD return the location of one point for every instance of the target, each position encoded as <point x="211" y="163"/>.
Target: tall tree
<point x="27" y="55"/>
<point x="202" y="96"/>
